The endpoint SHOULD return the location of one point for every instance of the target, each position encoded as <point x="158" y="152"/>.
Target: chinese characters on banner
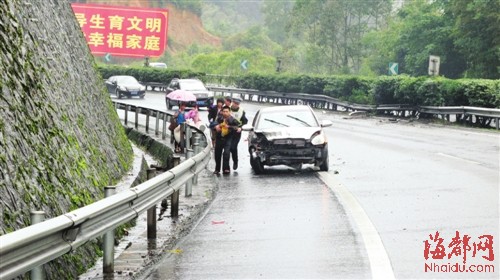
<point x="123" y="31"/>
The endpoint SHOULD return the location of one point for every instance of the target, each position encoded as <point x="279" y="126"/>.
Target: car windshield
<point x="192" y="85"/>
<point x="303" y="118"/>
<point x="126" y="80"/>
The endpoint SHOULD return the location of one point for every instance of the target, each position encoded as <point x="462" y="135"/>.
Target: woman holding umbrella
<point x="181" y="118"/>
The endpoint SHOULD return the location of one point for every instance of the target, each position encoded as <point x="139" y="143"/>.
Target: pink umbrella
<point x="181" y="95"/>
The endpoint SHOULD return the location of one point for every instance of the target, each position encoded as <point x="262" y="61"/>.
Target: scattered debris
<point x="175" y="251"/>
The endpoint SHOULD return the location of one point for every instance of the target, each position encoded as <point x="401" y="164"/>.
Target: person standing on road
<point x="213" y="113"/>
<point x="227" y="101"/>
<point x="193" y="118"/>
<point x="239" y="114"/>
<point x="226" y="126"/>
<point x="181" y="118"/>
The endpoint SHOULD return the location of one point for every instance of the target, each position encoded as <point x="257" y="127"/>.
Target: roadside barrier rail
<point x="482" y="116"/>
<point x="30" y="247"/>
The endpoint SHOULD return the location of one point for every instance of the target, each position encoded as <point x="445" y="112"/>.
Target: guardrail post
<point x="164" y="126"/>
<point x="172" y="138"/>
<point x="187" y="136"/>
<point x="37" y="272"/>
<point x="147" y="120"/>
<point x="127" y="108"/>
<point x="196" y="149"/>
<point x="151" y="211"/>
<point x="496" y="123"/>
<point x="137" y="111"/>
<point x="188" y="191"/>
<point x="174" y="210"/>
<point x="157" y="124"/>
<point x="109" y="240"/>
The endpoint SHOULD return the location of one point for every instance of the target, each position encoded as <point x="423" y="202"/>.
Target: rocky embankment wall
<point x="61" y="141"/>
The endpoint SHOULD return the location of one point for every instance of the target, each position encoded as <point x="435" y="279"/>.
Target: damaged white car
<point x="287" y="135"/>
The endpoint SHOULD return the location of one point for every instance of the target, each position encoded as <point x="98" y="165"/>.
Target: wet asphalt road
<point x="409" y="179"/>
<point x="281" y="225"/>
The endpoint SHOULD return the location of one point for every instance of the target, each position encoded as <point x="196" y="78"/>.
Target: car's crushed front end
<point x="289" y="148"/>
<point x="287" y="135"/>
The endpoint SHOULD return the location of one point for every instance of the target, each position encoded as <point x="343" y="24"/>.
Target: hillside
<point x="185" y="29"/>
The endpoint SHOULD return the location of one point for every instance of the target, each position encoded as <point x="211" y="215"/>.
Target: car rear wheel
<point x="257" y="166"/>
<point x="169" y="106"/>
<point x="118" y="94"/>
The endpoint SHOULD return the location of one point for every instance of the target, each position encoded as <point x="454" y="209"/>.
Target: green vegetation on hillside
<point x="363" y="37"/>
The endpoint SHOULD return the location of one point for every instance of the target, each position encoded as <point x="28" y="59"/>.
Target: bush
<point x="416" y="91"/>
<point x="148" y="74"/>
<point x="482" y="93"/>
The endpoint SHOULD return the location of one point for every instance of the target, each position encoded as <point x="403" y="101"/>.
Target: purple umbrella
<point x="181" y="95"/>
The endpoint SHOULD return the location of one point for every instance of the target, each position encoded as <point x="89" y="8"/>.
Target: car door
<point x="174" y="85"/>
<point x="111" y="85"/>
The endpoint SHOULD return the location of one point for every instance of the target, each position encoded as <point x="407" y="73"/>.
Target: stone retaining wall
<point x="61" y="141"/>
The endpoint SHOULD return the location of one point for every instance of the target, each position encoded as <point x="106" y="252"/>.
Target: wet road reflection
<point x="284" y="224"/>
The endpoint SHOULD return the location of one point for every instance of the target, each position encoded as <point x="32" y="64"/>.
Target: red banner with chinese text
<point x="123" y="31"/>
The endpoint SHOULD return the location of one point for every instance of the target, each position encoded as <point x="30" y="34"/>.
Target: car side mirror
<point x="325" y="123"/>
<point x="247" y="127"/>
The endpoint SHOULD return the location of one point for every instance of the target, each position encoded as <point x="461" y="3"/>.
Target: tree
<point x="463" y="33"/>
<point x="229" y="63"/>
<point x="276" y="19"/>
<point x="476" y="33"/>
<point x="334" y="29"/>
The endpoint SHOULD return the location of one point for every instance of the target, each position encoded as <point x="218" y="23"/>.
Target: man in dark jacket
<point x="213" y="113"/>
<point x="225" y="126"/>
<point x="239" y="114"/>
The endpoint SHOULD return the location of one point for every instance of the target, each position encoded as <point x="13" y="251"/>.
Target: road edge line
<point x="380" y="264"/>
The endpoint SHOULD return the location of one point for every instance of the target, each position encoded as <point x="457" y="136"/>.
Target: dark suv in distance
<point x="287" y="135"/>
<point x="204" y="97"/>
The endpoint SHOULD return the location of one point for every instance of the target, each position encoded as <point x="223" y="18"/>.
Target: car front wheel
<point x="323" y="163"/>
<point x="257" y="166"/>
<point x="118" y="94"/>
<point x="169" y="106"/>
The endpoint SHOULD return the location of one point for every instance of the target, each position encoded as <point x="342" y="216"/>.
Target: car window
<point x="158" y="64"/>
<point x="127" y="80"/>
<point x="302" y="118"/>
<point x="192" y="85"/>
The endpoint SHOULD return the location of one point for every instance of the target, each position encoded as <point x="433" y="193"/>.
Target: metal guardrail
<point x="466" y="114"/>
<point x="35" y="245"/>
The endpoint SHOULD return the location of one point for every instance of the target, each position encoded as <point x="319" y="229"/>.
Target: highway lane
<point x="414" y="180"/>
<point x="411" y="180"/>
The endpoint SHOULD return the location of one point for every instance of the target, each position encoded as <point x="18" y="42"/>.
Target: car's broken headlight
<point x="318" y="138"/>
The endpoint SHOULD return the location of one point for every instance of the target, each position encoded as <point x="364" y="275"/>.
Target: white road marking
<point x="458" y="158"/>
<point x="380" y="264"/>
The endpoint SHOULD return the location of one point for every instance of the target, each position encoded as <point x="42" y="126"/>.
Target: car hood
<point x="200" y="93"/>
<point x="131" y="85"/>
<point x="288" y="132"/>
